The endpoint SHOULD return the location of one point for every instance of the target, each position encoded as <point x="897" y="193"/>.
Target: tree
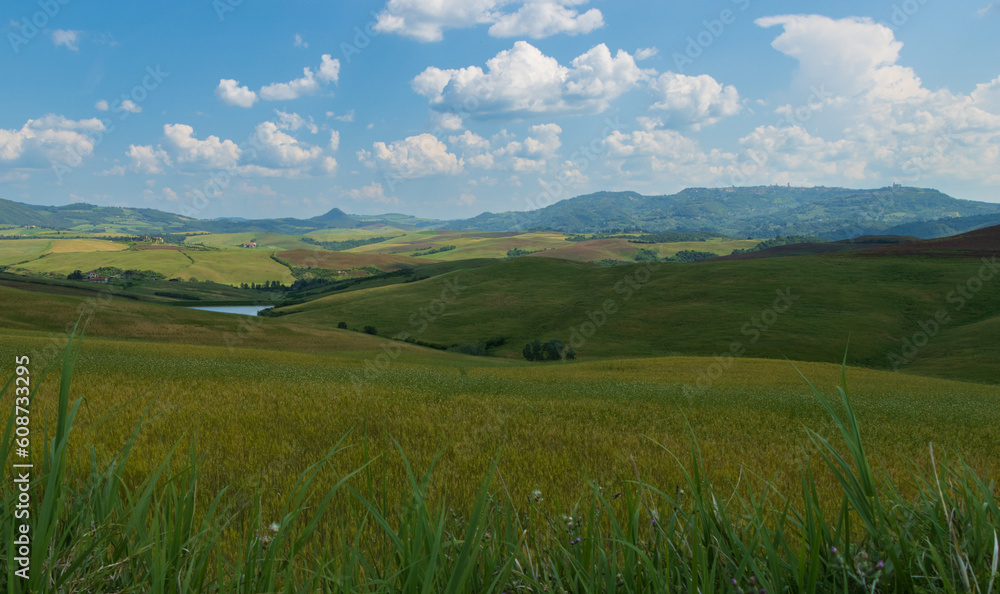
<point x="75" y="275"/>
<point x="342" y="325"/>
<point x="553" y="350"/>
<point x="370" y="330"/>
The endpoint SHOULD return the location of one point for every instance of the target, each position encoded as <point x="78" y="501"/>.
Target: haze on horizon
<point x="229" y="109"/>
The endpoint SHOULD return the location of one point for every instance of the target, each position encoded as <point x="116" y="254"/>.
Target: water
<point x="243" y="310"/>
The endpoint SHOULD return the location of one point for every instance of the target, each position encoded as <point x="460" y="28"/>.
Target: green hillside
<point x="763" y="211"/>
<point x="691" y="309"/>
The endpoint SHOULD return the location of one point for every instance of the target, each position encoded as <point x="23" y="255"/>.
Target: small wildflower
<point x="275" y="526"/>
<point x="536" y="496"/>
<point x="833" y="550"/>
<point x="880" y="564"/>
<point x="734" y="582"/>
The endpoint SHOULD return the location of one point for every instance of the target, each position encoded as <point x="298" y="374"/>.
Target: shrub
<point x="553" y="350"/>
<point x="342" y="325"/>
<point x="371" y="330"/>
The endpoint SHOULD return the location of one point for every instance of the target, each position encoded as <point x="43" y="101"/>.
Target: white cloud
<point x="540" y="19"/>
<point x="188" y="152"/>
<point x="49" y="139"/>
<point x="334" y="140"/>
<point x="987" y="96"/>
<point x="987" y="9"/>
<point x="67" y="38"/>
<point x="426" y="21"/>
<point x="415" y="156"/>
<point x="646" y="53"/>
<point x="892" y="126"/>
<point x="146" y="159"/>
<point x="277" y="149"/>
<point x="293" y="121"/>
<point x="370" y="193"/>
<point x="299" y="42"/>
<point x="694" y="101"/>
<point x="850" y="57"/>
<point x="308" y="84"/>
<point x="129" y="106"/>
<point x="230" y="92"/>
<point x="347" y="117"/>
<point x="447" y="121"/>
<point x="522" y="81"/>
<point x="503" y="151"/>
<point x="101" y="105"/>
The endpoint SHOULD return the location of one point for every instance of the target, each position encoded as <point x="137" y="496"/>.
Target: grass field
<point x="222" y="266"/>
<point x="468" y="244"/>
<point x="14" y="251"/>
<point x="359" y="233"/>
<point x="699" y="309"/>
<point x="268" y="397"/>
<point x="265" y="241"/>
<point x="621" y="249"/>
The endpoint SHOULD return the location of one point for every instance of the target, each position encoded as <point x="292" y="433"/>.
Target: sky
<point x="449" y="108"/>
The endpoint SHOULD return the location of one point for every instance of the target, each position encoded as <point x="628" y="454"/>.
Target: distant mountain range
<point x="761" y="211"/>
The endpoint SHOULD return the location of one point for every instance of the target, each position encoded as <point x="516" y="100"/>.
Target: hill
<point x="762" y="211"/>
<point x="139" y="221"/>
<point x="738" y="212"/>
<point x="701" y="309"/>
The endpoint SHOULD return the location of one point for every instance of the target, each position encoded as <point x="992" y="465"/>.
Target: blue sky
<point x="237" y="108"/>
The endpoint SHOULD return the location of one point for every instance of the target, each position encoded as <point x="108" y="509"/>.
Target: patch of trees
<point x="779" y="241"/>
<point x="691" y="256"/>
<point x="553" y="350"/>
<point x="444" y="248"/>
<point x="266" y="286"/>
<point x="675" y="236"/>
<point x="646" y="255"/>
<point x="478" y="349"/>
<point x="371" y="330"/>
<point x="519" y="252"/>
<point x="339" y="246"/>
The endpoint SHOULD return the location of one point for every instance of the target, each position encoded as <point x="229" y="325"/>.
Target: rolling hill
<point x="763" y="211"/>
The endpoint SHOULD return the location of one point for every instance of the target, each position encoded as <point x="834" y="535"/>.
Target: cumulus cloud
<point x="310" y="83"/>
<point x="101" y="105"/>
<point x="271" y="152"/>
<point x="544" y="19"/>
<point x="129" y="106"/>
<point x="414" y="156"/>
<point x="646" y="53"/>
<point x="146" y="159"/>
<point x="694" y="101"/>
<point x="372" y="193"/>
<point x="293" y="121"/>
<point x="67" y="38"/>
<point x="49" y="139"/>
<point x="231" y="93"/>
<point x="892" y="125"/>
<point x="426" y="21"/>
<point x="504" y="152"/>
<point x="522" y="81"/>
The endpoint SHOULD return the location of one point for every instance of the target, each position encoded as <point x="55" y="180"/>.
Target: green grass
<point x="468" y="244"/>
<point x="222" y="266"/>
<point x="265" y="241"/>
<point x="699" y="309"/>
<point x="548" y="478"/>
